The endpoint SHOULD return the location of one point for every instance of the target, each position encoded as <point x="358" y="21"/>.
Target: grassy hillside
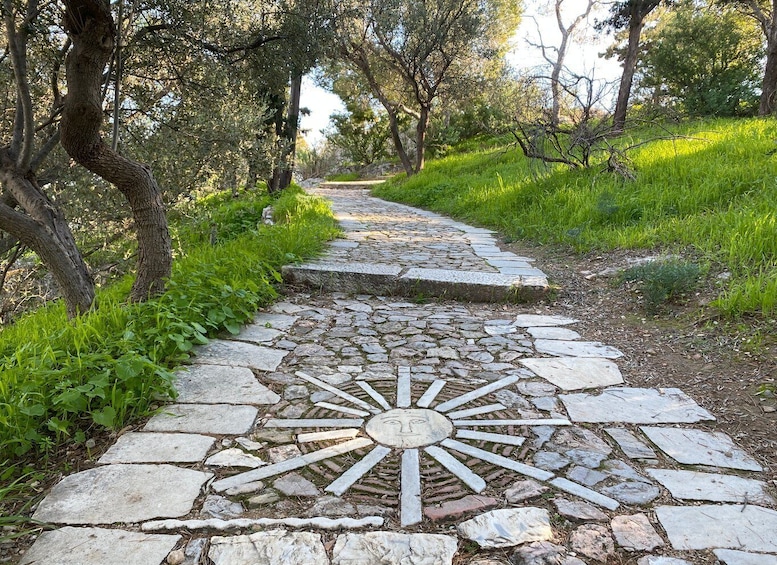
<point x="712" y="191"/>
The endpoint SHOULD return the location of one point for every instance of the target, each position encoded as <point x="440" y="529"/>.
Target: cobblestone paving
<point x="357" y="429"/>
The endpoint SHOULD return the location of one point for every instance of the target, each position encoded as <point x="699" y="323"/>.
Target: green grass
<point x="713" y="192"/>
<point x="61" y="380"/>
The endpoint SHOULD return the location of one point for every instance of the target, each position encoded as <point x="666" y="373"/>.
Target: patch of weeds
<point x="663" y="281"/>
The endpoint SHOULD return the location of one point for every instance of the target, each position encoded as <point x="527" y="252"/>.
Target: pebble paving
<point x="370" y="429"/>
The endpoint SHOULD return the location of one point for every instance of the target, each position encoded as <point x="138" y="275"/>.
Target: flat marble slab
<point x="216" y="419"/>
<point x="122" y="493"/>
<point x="392" y="547"/>
<point x="697" y="447"/>
<point x="562" y="348"/>
<point x="734" y="557"/>
<point x="140" y="447"/>
<point x="98" y="546"/>
<point x="635" y="406"/>
<point x="746" y="528"/>
<point x="272" y="547"/>
<point x="575" y="373"/>
<point x="711" y="487"/>
<point x="239" y="354"/>
<point x="219" y="384"/>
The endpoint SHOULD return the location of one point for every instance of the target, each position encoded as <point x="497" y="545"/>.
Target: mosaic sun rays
<point x="409" y="427"/>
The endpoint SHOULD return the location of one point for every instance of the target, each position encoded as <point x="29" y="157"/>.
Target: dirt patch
<point x="721" y="364"/>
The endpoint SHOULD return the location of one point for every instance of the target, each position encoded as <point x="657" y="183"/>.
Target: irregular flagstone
<point x="259" y="334"/>
<point x="550" y="332"/>
<point x="661" y="560"/>
<point x="562" y="348"/>
<point x="508" y="527"/>
<point x="524" y="490"/>
<point x="122" y="493"/>
<point x="221" y="508"/>
<point x="632" y="492"/>
<point x="239" y="354"/>
<point x="97" y="546"/>
<point x="726" y="527"/>
<point x="294" y="484"/>
<point x="635" y="533"/>
<point x="594" y="541"/>
<point x="390" y="548"/>
<point x="694" y="485"/>
<point x="319" y="523"/>
<point x="140" y="447"/>
<point x="535" y="320"/>
<point x="575" y="373"/>
<point x="543" y="553"/>
<point x="631" y="446"/>
<point x="277" y="321"/>
<point x="234" y="457"/>
<point x="579" y="510"/>
<point x="456" y="508"/>
<point x="635" y="406"/>
<point x="734" y="557"/>
<point x="217" y="384"/>
<point x="217" y="419"/>
<point x="273" y="547"/>
<point x="696" y="447"/>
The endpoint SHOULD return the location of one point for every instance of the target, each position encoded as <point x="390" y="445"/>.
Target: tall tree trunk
<point x="396" y="137"/>
<point x="422" y="127"/>
<point x="43" y="228"/>
<point x="627" y="78"/>
<point x="768" y="103"/>
<point x="92" y="31"/>
<point x="292" y="127"/>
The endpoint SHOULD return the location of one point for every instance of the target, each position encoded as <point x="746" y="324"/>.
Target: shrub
<point x="663" y="281"/>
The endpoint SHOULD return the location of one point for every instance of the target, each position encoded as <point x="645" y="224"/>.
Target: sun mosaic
<point x="409" y="427"/>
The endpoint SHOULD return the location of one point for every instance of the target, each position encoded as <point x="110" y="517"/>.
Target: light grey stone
<point x="390" y="548"/>
<point x="551" y="332"/>
<point x="216" y="384"/>
<point x="249" y="523"/>
<point x="563" y="348"/>
<point x="586" y="476"/>
<point x="575" y="373"/>
<point x="332" y="506"/>
<point x="249" y="444"/>
<point x="535" y="388"/>
<point x="508" y="527"/>
<point x="635" y="533"/>
<point x="97" y="546"/>
<point x="122" y="493"/>
<point x="661" y="560"/>
<point x="631" y="446"/>
<point x="234" y="457"/>
<point x="269" y="496"/>
<point x="594" y="541"/>
<point x="635" y="406"/>
<point x="282" y="453"/>
<point x="535" y="320"/>
<point x="524" y="490"/>
<point x="696" y="447"/>
<point x="194" y="550"/>
<point x="257" y="333"/>
<point x="734" y="557"/>
<point x="295" y="392"/>
<point x="579" y="510"/>
<point x="295" y="484"/>
<point x="586" y="457"/>
<point x="550" y="460"/>
<point x="617" y="468"/>
<point x="139" y="447"/>
<point x="273" y="547"/>
<point x="693" y="485"/>
<point x="216" y="419"/>
<point x="725" y="527"/>
<point x="239" y="354"/>
<point x="442" y="353"/>
<point x="248" y="488"/>
<point x="222" y="508"/>
<point x="586" y="493"/>
<point x="276" y="321"/>
<point x="543" y="553"/>
<point x="632" y="492"/>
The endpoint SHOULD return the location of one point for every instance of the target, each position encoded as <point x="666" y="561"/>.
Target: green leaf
<point x="34" y="410"/>
<point x="232" y="327"/>
<point x="105" y="417"/>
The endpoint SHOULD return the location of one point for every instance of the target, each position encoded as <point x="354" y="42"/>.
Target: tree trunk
<point x="43" y="229"/>
<point x="768" y="103"/>
<point x="422" y="127"/>
<point x="629" y="67"/>
<point x="91" y="29"/>
<point x="397" y="139"/>
<point x="292" y="127"/>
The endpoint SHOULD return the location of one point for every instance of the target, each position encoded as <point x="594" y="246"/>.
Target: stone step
<point x="392" y="280"/>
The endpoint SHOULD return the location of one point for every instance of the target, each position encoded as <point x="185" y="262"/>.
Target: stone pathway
<point x="357" y="429"/>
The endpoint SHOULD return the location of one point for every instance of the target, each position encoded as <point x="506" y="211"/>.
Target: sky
<point x="582" y="57"/>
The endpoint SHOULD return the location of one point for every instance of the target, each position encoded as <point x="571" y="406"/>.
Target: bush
<point x="663" y="281"/>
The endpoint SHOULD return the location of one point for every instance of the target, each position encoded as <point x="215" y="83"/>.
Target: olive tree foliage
<point x="707" y="61"/>
<point x="409" y="55"/>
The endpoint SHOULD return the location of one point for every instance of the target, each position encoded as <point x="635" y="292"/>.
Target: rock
<point x="246" y="488"/>
<point x="539" y="553"/>
<point x="139" y="447"/>
<point x="214" y="419"/>
<point x="550" y="460"/>
<point x="693" y="485"/>
<point x="390" y="548"/>
<point x="283" y="452"/>
<point x="293" y="484"/>
<point x="194" y="550"/>
<point x="219" y="507"/>
<point x="734" y="557"/>
<point x="331" y="506"/>
<point x="635" y="406"/>
<point x="456" y="508"/>
<point x="575" y="373"/>
<point x="635" y="533"/>
<point x="594" y="541"/>
<point x="217" y="384"/>
<point x="524" y="490"/>
<point x="660" y="560"/>
<point x="631" y="492"/>
<point x="268" y="548"/>
<point x="234" y="457"/>
<point x="579" y="510"/>
<point x="239" y="354"/>
<point x="507" y="527"/>
<point x="249" y="445"/>
<point x="176" y="557"/>
<point x="267" y="497"/>
<point x="294" y="392"/>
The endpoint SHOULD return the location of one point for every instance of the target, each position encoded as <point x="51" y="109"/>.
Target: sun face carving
<point x="407" y="428"/>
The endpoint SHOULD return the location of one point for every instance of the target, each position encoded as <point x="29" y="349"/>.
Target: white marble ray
<point x="521" y="468"/>
<point x="357" y="471"/>
<point x="533" y="422"/>
<point x="475" y="411"/>
<point x="579" y="490"/>
<point x="477" y="393"/>
<point x="318" y="523"/>
<point x="410" y="489"/>
<point x="456" y="467"/>
<point x="343" y="409"/>
<point x="374" y="394"/>
<point x="493" y="438"/>
<point x="431" y="393"/>
<point x="336" y="391"/>
<point x="326" y="436"/>
<point x="403" y="391"/>
<point x="291" y="464"/>
<point x="314" y="423"/>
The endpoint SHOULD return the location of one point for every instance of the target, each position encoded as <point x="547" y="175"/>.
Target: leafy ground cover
<point x="710" y="192"/>
<point x="62" y="381"/>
